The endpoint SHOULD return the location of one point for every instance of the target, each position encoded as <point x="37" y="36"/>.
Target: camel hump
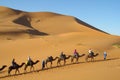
<point x="16" y="65"/>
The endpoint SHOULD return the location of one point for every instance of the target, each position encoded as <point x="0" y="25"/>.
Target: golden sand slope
<point x="41" y="34"/>
<point x="38" y="23"/>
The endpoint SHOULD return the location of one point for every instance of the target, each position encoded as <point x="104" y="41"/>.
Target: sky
<point x="102" y="14"/>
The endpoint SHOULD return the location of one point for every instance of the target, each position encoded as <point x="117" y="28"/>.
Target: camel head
<point x="4" y="65"/>
<point x="37" y="61"/>
<point x="23" y="63"/>
<point x="97" y="53"/>
<point x="83" y="54"/>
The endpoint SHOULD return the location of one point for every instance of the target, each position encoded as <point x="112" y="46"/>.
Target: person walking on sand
<point x="105" y="55"/>
<point x="43" y="64"/>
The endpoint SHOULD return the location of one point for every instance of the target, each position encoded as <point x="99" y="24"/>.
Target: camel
<point x="16" y="68"/>
<point x="3" y="67"/>
<point x="76" y="57"/>
<point x="50" y="59"/>
<point x="63" y="59"/>
<point x="92" y="57"/>
<point x="31" y="65"/>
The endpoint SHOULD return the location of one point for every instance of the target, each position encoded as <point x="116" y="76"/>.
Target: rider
<point x="91" y="53"/>
<point x="14" y="63"/>
<point x="29" y="60"/>
<point x="50" y="57"/>
<point x="75" y="53"/>
<point x="61" y="55"/>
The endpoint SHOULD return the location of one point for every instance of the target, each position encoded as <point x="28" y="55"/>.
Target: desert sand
<point x="43" y="34"/>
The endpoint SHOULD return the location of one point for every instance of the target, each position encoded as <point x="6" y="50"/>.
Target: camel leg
<point x="71" y="60"/>
<point x="51" y="64"/>
<point x="93" y="59"/>
<point x="58" y="63"/>
<point x="25" y="68"/>
<point x="32" y="67"/>
<point x="46" y="65"/>
<point x="86" y="59"/>
<point x="17" y="70"/>
<point x="76" y="60"/>
<point x="64" y="61"/>
<point x="9" y="70"/>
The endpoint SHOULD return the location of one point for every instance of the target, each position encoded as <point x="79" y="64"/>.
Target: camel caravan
<point x="63" y="57"/>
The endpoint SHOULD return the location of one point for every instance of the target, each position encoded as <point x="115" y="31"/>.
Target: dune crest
<point x="37" y="23"/>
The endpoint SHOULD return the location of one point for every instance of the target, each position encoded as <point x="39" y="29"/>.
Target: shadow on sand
<point x="88" y="25"/>
<point x="39" y="70"/>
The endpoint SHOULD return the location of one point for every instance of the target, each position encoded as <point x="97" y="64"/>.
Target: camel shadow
<point x="38" y="70"/>
<point x="54" y="67"/>
<point x="6" y="76"/>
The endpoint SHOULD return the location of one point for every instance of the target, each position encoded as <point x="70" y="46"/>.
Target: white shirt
<point x="90" y="51"/>
<point x="29" y="58"/>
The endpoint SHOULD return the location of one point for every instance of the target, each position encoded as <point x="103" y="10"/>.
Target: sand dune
<point x="42" y="34"/>
<point x="41" y="23"/>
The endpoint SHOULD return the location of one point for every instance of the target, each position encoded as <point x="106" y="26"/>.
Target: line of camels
<point x="48" y="60"/>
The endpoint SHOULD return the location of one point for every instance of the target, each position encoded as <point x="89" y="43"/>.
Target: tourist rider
<point x="90" y="52"/>
<point x="62" y="55"/>
<point x="14" y="63"/>
<point x="29" y="60"/>
<point x="75" y="53"/>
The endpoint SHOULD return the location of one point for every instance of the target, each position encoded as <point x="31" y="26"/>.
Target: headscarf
<point x="75" y="51"/>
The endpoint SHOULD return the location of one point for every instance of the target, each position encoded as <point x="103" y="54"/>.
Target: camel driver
<point x="76" y="53"/>
<point x="43" y="64"/>
<point x="29" y="60"/>
<point x="14" y="63"/>
<point x="105" y="55"/>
